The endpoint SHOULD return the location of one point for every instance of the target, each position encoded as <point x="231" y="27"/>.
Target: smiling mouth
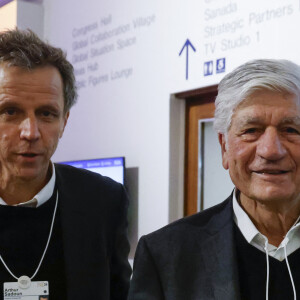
<point x="271" y="172"/>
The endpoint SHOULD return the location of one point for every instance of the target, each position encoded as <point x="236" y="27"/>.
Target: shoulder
<point x="199" y="226"/>
<point x="71" y="176"/>
<point x="76" y="185"/>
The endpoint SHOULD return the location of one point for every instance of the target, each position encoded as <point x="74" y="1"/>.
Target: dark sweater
<point x="23" y="236"/>
<point x="252" y="265"/>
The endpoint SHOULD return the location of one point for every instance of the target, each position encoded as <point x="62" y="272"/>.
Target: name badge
<point x="38" y="290"/>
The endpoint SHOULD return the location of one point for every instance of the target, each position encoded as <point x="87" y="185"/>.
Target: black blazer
<point x="93" y="212"/>
<point x="193" y="258"/>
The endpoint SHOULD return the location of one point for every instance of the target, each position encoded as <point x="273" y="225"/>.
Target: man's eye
<point x="46" y="113"/>
<point x="250" y="130"/>
<point x="10" y="111"/>
<point x="291" y="130"/>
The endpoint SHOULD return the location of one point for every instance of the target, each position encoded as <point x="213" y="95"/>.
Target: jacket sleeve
<point x="120" y="268"/>
<point x="145" y="283"/>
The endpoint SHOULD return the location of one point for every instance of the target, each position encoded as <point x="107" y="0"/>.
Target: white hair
<point x="280" y="76"/>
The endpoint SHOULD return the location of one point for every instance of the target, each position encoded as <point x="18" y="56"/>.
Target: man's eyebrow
<point x="291" y="120"/>
<point x="249" y="121"/>
<point x="6" y="102"/>
<point x="53" y="106"/>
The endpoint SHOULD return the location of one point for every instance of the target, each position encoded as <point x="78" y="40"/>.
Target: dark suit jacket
<point x="193" y="258"/>
<point x="93" y="212"/>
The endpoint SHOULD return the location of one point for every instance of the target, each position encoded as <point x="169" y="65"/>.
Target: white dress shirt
<point x="258" y="240"/>
<point x="43" y="195"/>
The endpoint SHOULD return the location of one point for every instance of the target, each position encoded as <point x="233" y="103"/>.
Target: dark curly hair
<point x="24" y="49"/>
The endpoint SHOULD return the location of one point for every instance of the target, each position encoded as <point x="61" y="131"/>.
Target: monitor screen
<point x="113" y="167"/>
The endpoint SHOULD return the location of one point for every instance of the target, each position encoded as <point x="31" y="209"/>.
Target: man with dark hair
<point x="247" y="247"/>
<point x="58" y="225"/>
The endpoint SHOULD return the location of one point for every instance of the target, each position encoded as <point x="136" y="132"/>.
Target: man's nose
<point x="270" y="146"/>
<point x="30" y="129"/>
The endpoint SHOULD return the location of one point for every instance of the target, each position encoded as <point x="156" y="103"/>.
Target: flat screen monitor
<point x="113" y="167"/>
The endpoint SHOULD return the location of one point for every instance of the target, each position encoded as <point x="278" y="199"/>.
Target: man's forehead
<point x="267" y="107"/>
<point x="7" y="66"/>
<point x="262" y="95"/>
<point x="245" y="120"/>
<point x="46" y="77"/>
<point x="23" y="71"/>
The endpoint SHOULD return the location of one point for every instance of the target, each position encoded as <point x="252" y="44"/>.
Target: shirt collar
<point x="43" y="195"/>
<point x="258" y="240"/>
<point x="242" y="220"/>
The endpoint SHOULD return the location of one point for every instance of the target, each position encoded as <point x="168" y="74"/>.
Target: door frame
<point x="199" y="105"/>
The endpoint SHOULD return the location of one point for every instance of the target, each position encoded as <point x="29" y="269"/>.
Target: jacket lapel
<point x="79" y="254"/>
<point x="71" y="222"/>
<point x="220" y="255"/>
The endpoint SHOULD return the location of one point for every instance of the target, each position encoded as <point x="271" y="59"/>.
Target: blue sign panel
<point x="208" y="68"/>
<point x="220" y="65"/>
<point x="94" y="163"/>
<point x="111" y="167"/>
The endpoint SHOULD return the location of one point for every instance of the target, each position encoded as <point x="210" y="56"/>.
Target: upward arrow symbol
<point x="186" y="45"/>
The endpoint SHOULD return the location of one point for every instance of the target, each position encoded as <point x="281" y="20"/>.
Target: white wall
<point x="8" y="15"/>
<point x="127" y="117"/>
<point x="132" y="116"/>
<point x="30" y="14"/>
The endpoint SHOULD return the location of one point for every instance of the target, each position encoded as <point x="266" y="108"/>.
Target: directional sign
<point x="3" y="2"/>
<point x="220" y="65"/>
<point x="186" y="45"/>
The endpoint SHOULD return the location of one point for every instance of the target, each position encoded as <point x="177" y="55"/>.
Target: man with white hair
<point x="247" y="247"/>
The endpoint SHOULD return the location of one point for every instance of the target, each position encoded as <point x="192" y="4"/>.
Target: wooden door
<point x="199" y="105"/>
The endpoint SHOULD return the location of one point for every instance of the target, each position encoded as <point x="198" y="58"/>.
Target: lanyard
<point x="25" y="281"/>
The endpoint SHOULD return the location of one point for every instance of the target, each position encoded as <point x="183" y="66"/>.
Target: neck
<point x="272" y="220"/>
<point x="17" y="191"/>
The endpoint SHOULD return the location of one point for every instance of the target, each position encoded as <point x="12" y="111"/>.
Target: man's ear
<point x="222" y="141"/>
<point x="65" y="121"/>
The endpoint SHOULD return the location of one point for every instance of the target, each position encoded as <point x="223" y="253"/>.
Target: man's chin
<point x="32" y="175"/>
<point x="272" y="195"/>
